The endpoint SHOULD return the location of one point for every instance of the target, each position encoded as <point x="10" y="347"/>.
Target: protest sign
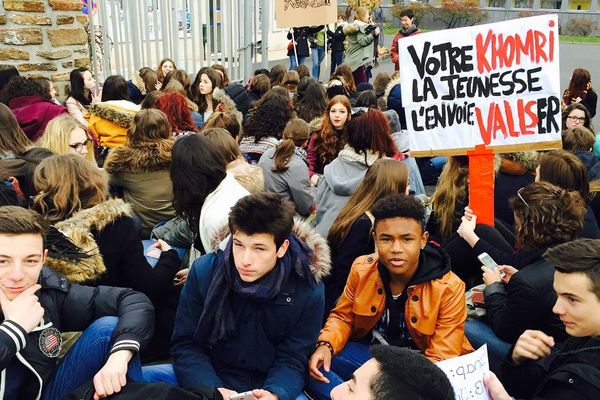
<point x="495" y="84"/>
<point x="466" y="374"/>
<point x="290" y="13"/>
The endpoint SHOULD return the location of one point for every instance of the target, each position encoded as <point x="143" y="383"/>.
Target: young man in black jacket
<point x="38" y="304"/>
<point x="537" y="368"/>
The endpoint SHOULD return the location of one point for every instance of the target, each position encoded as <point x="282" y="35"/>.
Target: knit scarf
<point x="217" y="320"/>
<point x="406" y="32"/>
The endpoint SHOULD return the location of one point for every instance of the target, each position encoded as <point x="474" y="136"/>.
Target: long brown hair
<point x="451" y="187"/>
<point x="346" y="73"/>
<point x="384" y="178"/>
<point x="296" y="133"/>
<point x="566" y="171"/>
<point x="66" y="184"/>
<point x="12" y="137"/>
<point x="328" y="141"/>
<point x="149" y="125"/>
<point x="579" y="84"/>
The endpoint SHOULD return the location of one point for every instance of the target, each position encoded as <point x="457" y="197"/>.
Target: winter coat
<point x="292" y="184"/>
<point x="435" y="310"/>
<point x="591" y="162"/>
<point x="571" y="371"/>
<point x="337" y="38"/>
<point x="224" y="103"/>
<point x="393" y="98"/>
<point x="109" y="120"/>
<point x="76" y="110"/>
<point x="340" y="180"/>
<point x="301" y="36"/>
<point x="276" y="336"/>
<point x="394" y="50"/>
<point x="253" y="151"/>
<point x="589" y="100"/>
<point x="33" y="114"/>
<point x="526" y="302"/>
<point x="136" y="88"/>
<point x="67" y="308"/>
<point x="359" y="44"/>
<point x="143" y="173"/>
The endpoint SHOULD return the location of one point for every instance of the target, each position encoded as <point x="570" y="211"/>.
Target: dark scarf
<point x="407" y="32"/>
<point x="217" y="320"/>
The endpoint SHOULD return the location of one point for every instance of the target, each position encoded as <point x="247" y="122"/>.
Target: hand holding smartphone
<point x="242" y="396"/>
<point x="489" y="262"/>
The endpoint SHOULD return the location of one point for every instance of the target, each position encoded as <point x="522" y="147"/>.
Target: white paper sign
<point x="466" y="374"/>
<point x="494" y="84"/>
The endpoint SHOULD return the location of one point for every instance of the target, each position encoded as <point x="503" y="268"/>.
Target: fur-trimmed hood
<point x="144" y="157"/>
<point x="78" y="228"/>
<point x="316" y="124"/>
<point x="120" y="112"/>
<point x="389" y="88"/>
<point x="354" y="27"/>
<point x="138" y="82"/>
<point x="227" y="103"/>
<point x="320" y="259"/>
<point x="518" y="163"/>
<point x="249" y="176"/>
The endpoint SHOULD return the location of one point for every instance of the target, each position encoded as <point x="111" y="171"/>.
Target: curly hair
<point x="542" y="205"/>
<point x="269" y="115"/>
<point x="19" y="86"/>
<point x="328" y="141"/>
<point x="66" y="184"/>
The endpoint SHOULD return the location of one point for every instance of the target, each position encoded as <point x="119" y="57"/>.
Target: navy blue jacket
<point x="274" y="340"/>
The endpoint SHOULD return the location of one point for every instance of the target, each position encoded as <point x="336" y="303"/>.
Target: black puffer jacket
<point x="70" y="308"/>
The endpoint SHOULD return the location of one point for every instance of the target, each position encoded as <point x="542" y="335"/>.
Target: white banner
<point x="495" y="84"/>
<point x="291" y="13"/>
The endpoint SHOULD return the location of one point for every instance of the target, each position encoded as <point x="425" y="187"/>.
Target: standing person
<point x="82" y="92"/>
<point x="318" y="52"/>
<point x="407" y="19"/>
<point x="360" y="37"/>
<point x="580" y="91"/>
<point x="301" y="38"/>
<point x="337" y="43"/>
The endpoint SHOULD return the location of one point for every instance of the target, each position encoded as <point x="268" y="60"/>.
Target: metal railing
<point x="130" y="34"/>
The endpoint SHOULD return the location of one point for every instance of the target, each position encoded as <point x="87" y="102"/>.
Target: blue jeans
<point x="439" y="162"/>
<point x="293" y="64"/>
<point x="165" y="373"/>
<point x="318" y="54"/>
<point x="480" y="333"/>
<point x="87" y="356"/>
<point x="343" y="366"/>
<point x="337" y="58"/>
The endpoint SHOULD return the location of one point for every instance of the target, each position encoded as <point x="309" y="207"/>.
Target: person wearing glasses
<point x="576" y="115"/>
<point x="65" y="135"/>
<point x="521" y="299"/>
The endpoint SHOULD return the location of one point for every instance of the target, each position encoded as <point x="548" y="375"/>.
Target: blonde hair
<point x="385" y="177"/>
<point x="451" y="187"/>
<point x="66" y="184"/>
<point x="58" y="134"/>
<point x="361" y="12"/>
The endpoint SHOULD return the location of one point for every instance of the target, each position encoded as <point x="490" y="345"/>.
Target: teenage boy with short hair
<point x="537" y="368"/>
<point x="249" y="316"/>
<point x="405" y="295"/>
<point x="392" y="372"/>
<point x="37" y="304"/>
<point x="407" y="19"/>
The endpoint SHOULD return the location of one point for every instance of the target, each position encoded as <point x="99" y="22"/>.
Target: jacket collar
<point x="139" y="158"/>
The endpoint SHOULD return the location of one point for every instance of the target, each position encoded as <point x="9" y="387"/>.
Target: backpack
<point x="145" y="391"/>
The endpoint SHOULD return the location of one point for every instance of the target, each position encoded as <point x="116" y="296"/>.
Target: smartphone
<point x="242" y="396"/>
<point x="489" y="262"/>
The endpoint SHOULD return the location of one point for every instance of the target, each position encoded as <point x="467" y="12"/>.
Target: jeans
<point x="337" y="58"/>
<point x="439" y="162"/>
<point x="343" y="366"/>
<point x="293" y="64"/>
<point x="480" y="333"/>
<point x="318" y="54"/>
<point x="165" y="373"/>
<point x="87" y="356"/>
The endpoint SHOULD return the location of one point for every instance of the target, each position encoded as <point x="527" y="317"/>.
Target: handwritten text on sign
<point x="494" y="84"/>
<point x="466" y="374"/>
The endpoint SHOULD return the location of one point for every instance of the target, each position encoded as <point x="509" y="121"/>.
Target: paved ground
<point x="572" y="56"/>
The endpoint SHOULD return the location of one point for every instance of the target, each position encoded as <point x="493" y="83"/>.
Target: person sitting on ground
<point x="65" y="135"/>
<point x="404" y="295"/>
<point x="140" y="169"/>
<point x="38" y="304"/>
<point x="17" y="172"/>
<point x="285" y="168"/>
<point x="249" y="316"/>
<point x="259" y="86"/>
<point x="392" y="372"/>
<point x="13" y="140"/>
<point x="290" y="82"/>
<point x="350" y="235"/>
<point x="142" y="83"/>
<point x="227" y="121"/>
<point x="580" y="142"/>
<point x="313" y="102"/>
<point x="576" y="114"/>
<point x="165" y="66"/>
<point x="540" y="369"/>
<point x="202" y="90"/>
<point x="175" y="108"/>
<point x="523" y="298"/>
<point x="82" y="92"/>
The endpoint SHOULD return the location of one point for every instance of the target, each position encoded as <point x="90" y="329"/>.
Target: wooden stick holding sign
<point x="294" y="44"/>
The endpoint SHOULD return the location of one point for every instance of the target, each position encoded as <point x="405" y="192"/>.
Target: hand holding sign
<point x="466" y="374"/>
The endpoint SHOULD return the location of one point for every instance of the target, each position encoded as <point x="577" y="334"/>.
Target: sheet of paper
<point x="466" y="374"/>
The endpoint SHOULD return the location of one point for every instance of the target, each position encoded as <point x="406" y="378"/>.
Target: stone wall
<point x="44" y="38"/>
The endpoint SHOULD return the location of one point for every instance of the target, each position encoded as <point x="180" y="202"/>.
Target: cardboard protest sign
<point x="290" y="13"/>
<point x="466" y="374"/>
<point x="495" y="84"/>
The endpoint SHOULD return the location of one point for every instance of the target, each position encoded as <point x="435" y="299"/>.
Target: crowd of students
<point x="275" y="237"/>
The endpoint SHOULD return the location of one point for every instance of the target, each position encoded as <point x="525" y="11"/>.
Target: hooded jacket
<point x="142" y="171"/>
<point x="68" y="308"/>
<point x="393" y="99"/>
<point x="340" y="180"/>
<point x="109" y="120"/>
<point x="33" y="114"/>
<point x="136" y="88"/>
<point x="359" y="45"/>
<point x="278" y="334"/>
<point x="591" y="162"/>
<point x="435" y="309"/>
<point x="571" y="371"/>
